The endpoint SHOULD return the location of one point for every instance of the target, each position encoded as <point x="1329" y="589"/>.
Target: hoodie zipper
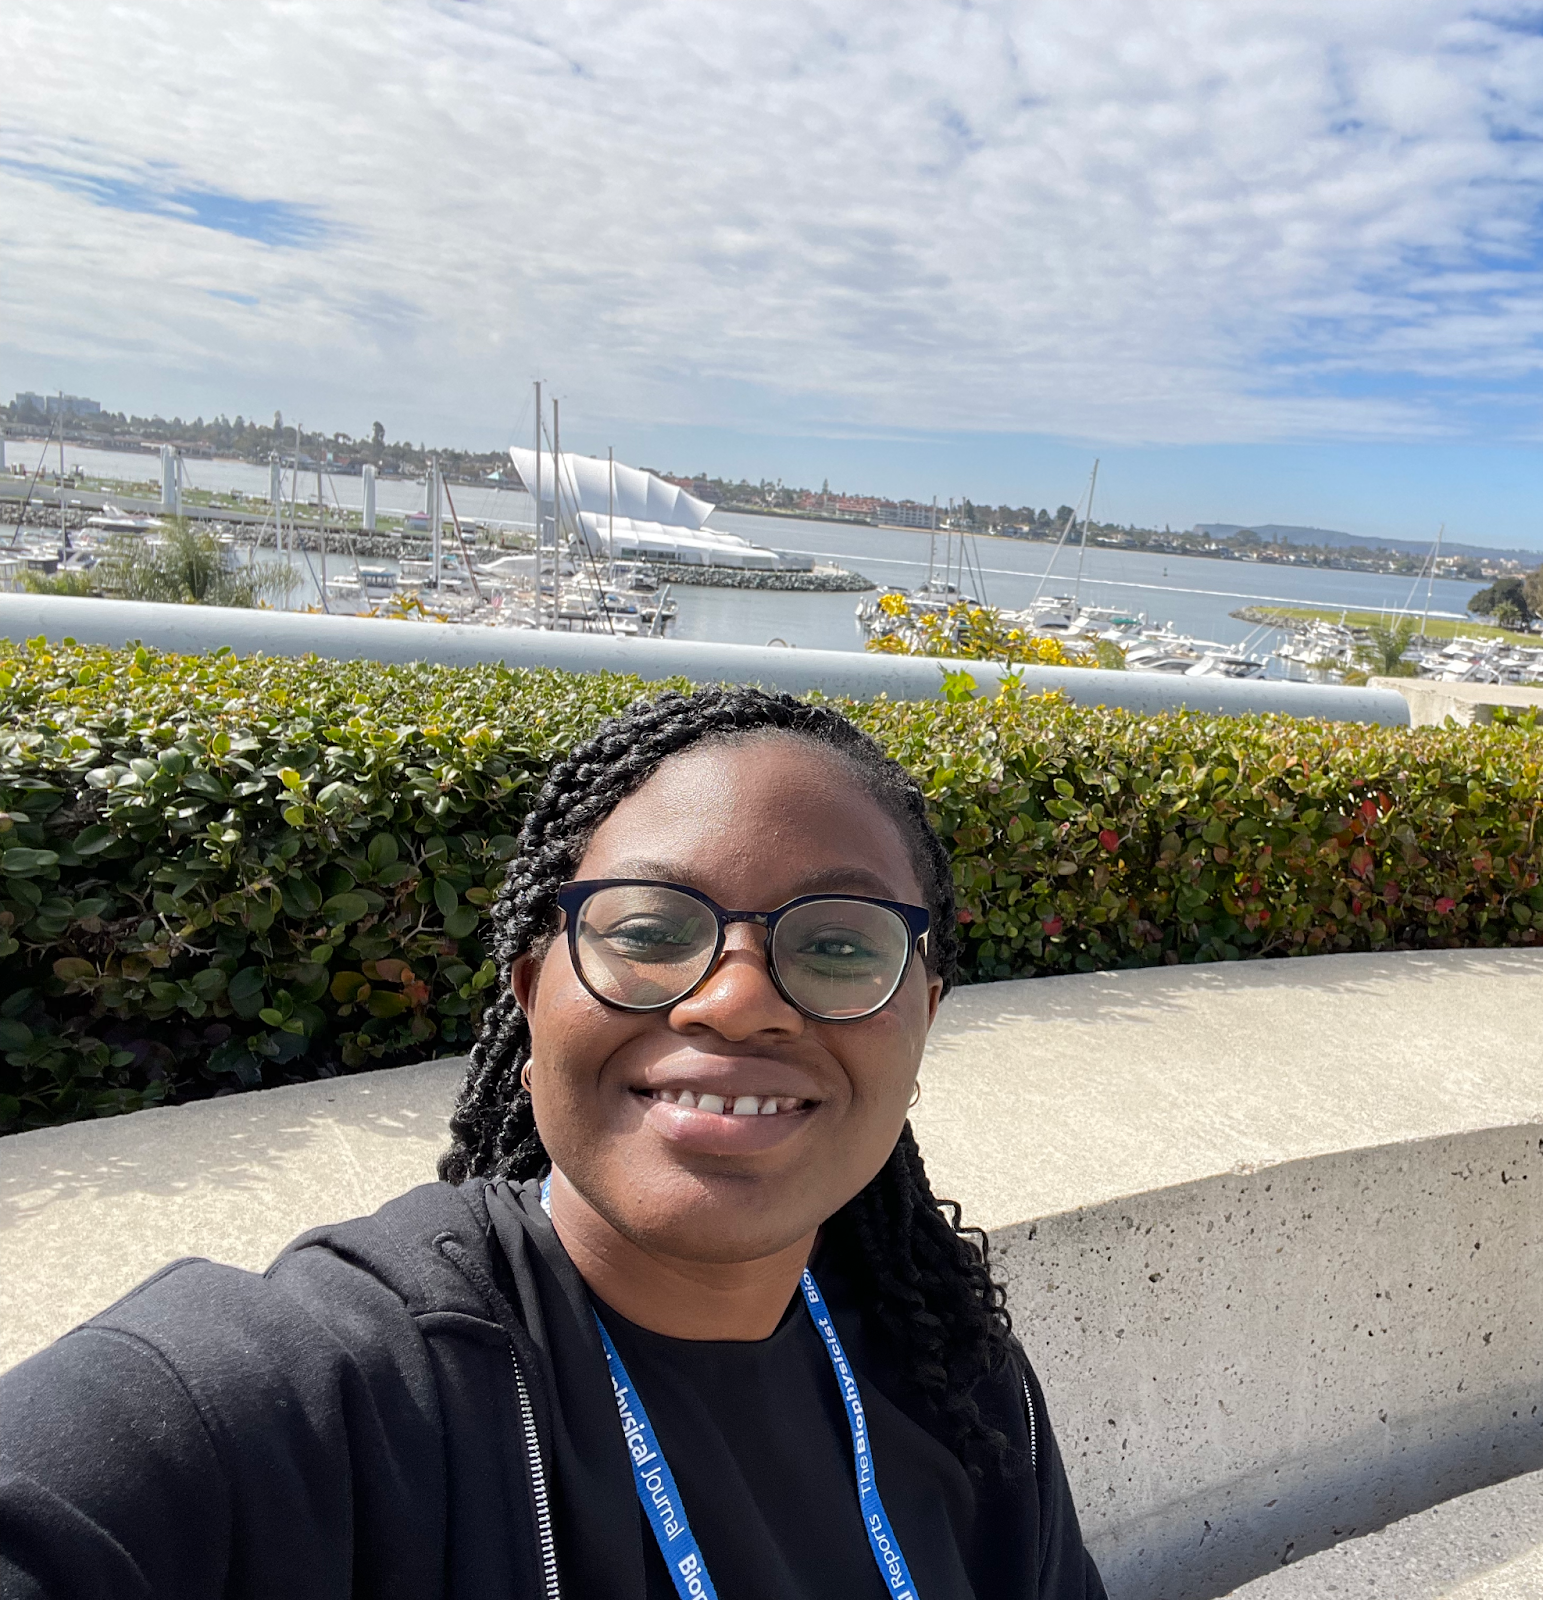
<point x="538" y="1482"/>
<point x="1028" y="1400"/>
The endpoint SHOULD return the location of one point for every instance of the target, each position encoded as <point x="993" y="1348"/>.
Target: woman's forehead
<point x="753" y="811"/>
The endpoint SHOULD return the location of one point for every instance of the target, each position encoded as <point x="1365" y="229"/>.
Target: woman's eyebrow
<point x="859" y="880"/>
<point x="851" y="879"/>
<point x="655" y="871"/>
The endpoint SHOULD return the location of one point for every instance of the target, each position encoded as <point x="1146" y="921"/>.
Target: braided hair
<point x="917" y="1269"/>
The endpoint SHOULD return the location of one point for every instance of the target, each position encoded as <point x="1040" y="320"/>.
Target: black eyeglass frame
<point x="571" y="898"/>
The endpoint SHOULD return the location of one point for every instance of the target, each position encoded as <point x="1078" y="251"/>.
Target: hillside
<point x="1280" y="533"/>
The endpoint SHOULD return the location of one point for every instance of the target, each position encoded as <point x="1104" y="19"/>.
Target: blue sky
<point x="1275" y="262"/>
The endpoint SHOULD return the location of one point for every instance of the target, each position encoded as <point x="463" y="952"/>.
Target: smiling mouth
<point x="744" y="1105"/>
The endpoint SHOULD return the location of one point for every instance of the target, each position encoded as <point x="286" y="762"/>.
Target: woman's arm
<point x="219" y="1433"/>
<point x="109" y="1482"/>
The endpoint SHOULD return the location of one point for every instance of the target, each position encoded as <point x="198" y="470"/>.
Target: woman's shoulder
<point x="213" y="1408"/>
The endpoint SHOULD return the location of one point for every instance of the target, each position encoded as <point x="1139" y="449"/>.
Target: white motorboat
<point x="112" y="519"/>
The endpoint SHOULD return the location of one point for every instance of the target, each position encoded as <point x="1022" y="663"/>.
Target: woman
<point x="683" y="1319"/>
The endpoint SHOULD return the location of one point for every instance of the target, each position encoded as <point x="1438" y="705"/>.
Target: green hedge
<point x="220" y="872"/>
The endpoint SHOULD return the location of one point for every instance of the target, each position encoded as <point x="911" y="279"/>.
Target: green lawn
<point x="1436" y="628"/>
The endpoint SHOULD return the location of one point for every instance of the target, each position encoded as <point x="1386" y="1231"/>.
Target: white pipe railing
<point x="852" y="674"/>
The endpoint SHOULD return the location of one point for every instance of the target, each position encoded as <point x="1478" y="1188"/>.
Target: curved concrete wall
<point x="1273" y="1233"/>
<point x="1272" y="1230"/>
<point x="835" y="672"/>
<point x="1252" y="1368"/>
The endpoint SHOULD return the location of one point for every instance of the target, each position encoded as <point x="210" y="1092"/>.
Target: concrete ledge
<point x="1273" y="1230"/>
<point x="1467" y="704"/>
<point x="91" y="1209"/>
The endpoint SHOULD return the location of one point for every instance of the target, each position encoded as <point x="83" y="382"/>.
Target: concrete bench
<point x="1271" y="1229"/>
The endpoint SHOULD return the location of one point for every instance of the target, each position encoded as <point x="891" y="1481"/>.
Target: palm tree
<point x="1382" y="651"/>
<point x="185" y="566"/>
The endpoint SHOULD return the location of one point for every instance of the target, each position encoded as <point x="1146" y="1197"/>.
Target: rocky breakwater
<point x="822" y="580"/>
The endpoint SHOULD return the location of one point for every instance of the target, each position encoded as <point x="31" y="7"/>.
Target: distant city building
<point x="702" y="488"/>
<point x="49" y="405"/>
<point x="906" y="514"/>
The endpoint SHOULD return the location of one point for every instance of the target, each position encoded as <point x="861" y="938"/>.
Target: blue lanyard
<point x="661" y="1500"/>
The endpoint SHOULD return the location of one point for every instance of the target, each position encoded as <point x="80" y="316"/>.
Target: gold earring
<point x="916" y="1094"/>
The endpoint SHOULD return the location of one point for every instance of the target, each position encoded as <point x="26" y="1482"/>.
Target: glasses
<point x="639" y="945"/>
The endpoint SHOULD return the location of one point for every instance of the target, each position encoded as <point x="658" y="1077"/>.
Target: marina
<point x="1168" y="613"/>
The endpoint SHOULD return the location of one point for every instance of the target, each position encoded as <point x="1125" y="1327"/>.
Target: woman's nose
<point x="739" y="998"/>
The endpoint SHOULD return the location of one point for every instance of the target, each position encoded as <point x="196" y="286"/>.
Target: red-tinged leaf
<point x="1052" y="926"/>
<point x="1109" y="839"/>
<point x="1444" y="905"/>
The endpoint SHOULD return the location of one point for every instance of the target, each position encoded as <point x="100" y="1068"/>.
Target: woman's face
<point x="752" y="825"/>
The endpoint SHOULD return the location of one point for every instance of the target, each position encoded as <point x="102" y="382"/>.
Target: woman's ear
<point x="523" y="974"/>
<point x="934" y="999"/>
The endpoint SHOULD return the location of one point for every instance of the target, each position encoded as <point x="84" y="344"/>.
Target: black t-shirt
<point x="758" y="1441"/>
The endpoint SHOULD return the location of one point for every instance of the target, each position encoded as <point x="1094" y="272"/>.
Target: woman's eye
<point x="836" y="947"/>
<point x="642" y="937"/>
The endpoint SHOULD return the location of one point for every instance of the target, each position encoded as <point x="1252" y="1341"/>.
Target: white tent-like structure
<point x="622" y="513"/>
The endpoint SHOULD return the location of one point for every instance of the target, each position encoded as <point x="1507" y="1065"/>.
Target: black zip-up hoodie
<point x="412" y="1405"/>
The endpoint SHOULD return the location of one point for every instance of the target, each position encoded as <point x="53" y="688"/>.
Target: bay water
<point x="1195" y="595"/>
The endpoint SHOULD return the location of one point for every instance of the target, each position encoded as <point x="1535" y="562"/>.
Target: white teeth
<point x="742" y="1105"/>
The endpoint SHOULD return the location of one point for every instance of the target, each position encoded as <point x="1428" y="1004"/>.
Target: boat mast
<point x="1082" y="554"/>
<point x="434" y="518"/>
<point x="610" y="501"/>
<point x="538" y="503"/>
<point x="294" y="497"/>
<point x="557" y="511"/>
<point x="1431" y="581"/>
<point x="466" y="552"/>
<point x="64" y="537"/>
<point x="321" y="534"/>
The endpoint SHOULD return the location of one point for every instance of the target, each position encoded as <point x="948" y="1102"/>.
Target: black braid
<point x="923" y="1274"/>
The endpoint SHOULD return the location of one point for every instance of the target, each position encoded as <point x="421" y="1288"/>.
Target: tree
<point x="1532" y="587"/>
<point x="185" y="566"/>
<point x="378" y="436"/>
<point x="1509" y="592"/>
<point x="1382" y="651"/>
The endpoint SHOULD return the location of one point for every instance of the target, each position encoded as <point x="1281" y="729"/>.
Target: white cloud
<point x="1179" y="221"/>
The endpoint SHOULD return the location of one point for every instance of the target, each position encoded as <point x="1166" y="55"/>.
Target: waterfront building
<point x="907" y="514"/>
